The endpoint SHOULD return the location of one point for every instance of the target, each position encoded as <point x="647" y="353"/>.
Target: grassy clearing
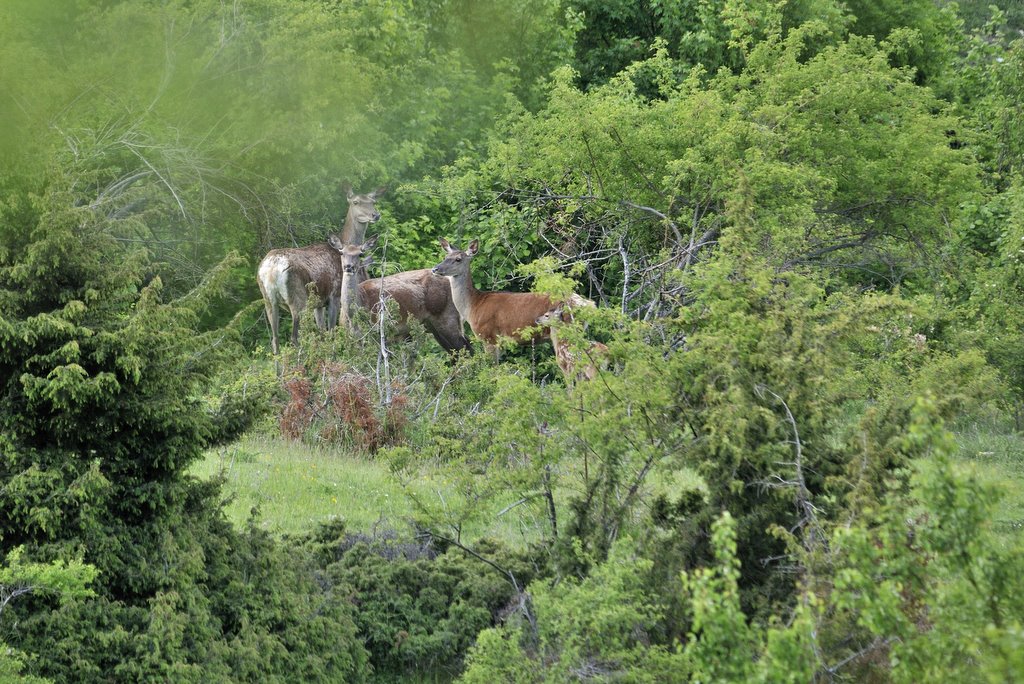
<point x="995" y="454"/>
<point x="296" y="486"/>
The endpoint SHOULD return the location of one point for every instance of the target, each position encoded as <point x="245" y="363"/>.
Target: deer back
<point x="424" y="296"/>
<point x="506" y="314"/>
<point x="285" y="270"/>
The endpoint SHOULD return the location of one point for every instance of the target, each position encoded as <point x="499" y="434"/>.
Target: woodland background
<point x="802" y="221"/>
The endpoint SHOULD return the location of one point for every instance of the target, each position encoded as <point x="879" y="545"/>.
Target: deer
<point x="491" y="315"/>
<point x="424" y="296"/>
<point x="286" y="275"/>
<point x="353" y="269"/>
<point x="568" y="358"/>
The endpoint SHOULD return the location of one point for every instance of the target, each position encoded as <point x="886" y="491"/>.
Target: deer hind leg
<point x="296" y="308"/>
<point x="273" y="317"/>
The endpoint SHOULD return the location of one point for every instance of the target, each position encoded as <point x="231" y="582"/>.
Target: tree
<point x="102" y="380"/>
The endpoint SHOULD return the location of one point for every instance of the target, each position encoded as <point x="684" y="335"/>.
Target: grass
<point x="995" y="454"/>
<point x="295" y="487"/>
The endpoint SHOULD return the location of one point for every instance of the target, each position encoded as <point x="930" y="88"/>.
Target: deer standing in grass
<point x="569" y="358"/>
<point x="286" y="276"/>
<point x="424" y="296"/>
<point x="491" y="315"/>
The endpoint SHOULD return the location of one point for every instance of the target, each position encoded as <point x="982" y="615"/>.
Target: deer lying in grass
<point x="424" y="296"/>
<point x="285" y="275"/>
<point x="569" y="359"/>
<point x="491" y="315"/>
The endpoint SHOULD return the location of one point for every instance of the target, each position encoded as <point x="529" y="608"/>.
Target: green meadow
<point x="288" y="487"/>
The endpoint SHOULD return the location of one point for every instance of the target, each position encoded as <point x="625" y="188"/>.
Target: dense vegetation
<point x="803" y="224"/>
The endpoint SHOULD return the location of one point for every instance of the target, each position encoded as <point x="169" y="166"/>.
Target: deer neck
<point x="463" y="294"/>
<point x="353" y="232"/>
<point x="349" y="292"/>
<point x="553" y="334"/>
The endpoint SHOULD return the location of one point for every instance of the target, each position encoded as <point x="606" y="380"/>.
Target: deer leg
<point x="295" y="329"/>
<point x="402" y="327"/>
<point x="333" y="309"/>
<point x="296" y="308"/>
<point x="273" y="318"/>
<point x="451" y="343"/>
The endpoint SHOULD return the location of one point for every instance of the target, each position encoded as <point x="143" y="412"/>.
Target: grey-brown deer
<point x="285" y="276"/>
<point x="424" y="296"/>
<point x="576" y="363"/>
<point x="491" y="315"/>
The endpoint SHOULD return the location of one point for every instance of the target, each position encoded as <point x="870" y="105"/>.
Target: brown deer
<point x="286" y="277"/>
<point x="362" y="211"/>
<point x="567" y="357"/>
<point x="491" y="315"/>
<point x="424" y="296"/>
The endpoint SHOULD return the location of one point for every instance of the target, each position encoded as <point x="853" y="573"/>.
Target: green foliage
<point x="595" y="627"/>
<point x="987" y="89"/>
<point x="939" y="589"/>
<point x="722" y="646"/>
<point x="994" y="300"/>
<point x="234" y="607"/>
<point x="836" y="159"/>
<point x="713" y="34"/>
<point x="930" y="31"/>
<point x="419" y="609"/>
<point x="802" y="222"/>
<point x="103" y="378"/>
<point x="67" y="579"/>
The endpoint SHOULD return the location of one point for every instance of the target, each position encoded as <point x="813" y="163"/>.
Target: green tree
<point x="103" y="382"/>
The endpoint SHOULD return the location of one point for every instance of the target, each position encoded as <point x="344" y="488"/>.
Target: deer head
<point x="456" y="264"/>
<point x="556" y="315"/>
<point x="362" y="208"/>
<point x="352" y="255"/>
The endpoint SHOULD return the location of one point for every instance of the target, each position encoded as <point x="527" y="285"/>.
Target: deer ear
<point x="444" y="245"/>
<point x="379" y="191"/>
<point x="370" y="244"/>
<point x="473" y="247"/>
<point x="335" y="242"/>
<point x="347" y="187"/>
